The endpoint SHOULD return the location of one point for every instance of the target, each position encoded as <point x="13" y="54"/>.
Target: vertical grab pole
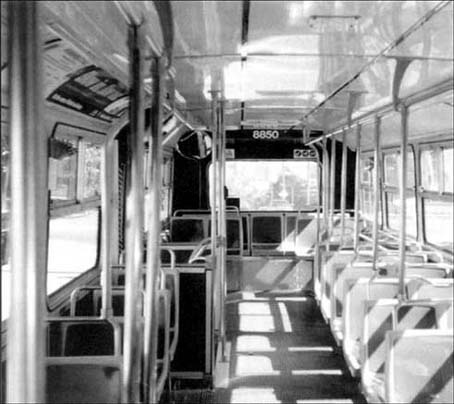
<point x="222" y="227"/>
<point x="377" y="165"/>
<point x="213" y="196"/>
<point x="154" y="232"/>
<point x="326" y="189"/>
<point x="357" y="186"/>
<point x="134" y="225"/>
<point x="343" y="184"/>
<point x="107" y="170"/>
<point x="332" y="185"/>
<point x="26" y="373"/>
<point x="403" y="202"/>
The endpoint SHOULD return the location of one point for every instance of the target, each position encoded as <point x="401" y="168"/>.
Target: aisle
<point x="282" y="352"/>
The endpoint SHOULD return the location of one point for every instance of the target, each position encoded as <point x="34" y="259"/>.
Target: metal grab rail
<point x="357" y="186"/>
<point x="343" y="184"/>
<point x="172" y="271"/>
<point x="134" y="222"/>
<point x="198" y="251"/>
<point x="154" y="237"/>
<point x="165" y="361"/>
<point x="28" y="228"/>
<point x="175" y="328"/>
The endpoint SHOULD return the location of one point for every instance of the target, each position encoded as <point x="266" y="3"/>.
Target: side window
<point x="167" y="176"/>
<point x="75" y="190"/>
<point x="63" y="169"/>
<point x="367" y="168"/>
<point x="91" y="185"/>
<point x="437" y="194"/>
<point x="5" y="256"/>
<point x="392" y="161"/>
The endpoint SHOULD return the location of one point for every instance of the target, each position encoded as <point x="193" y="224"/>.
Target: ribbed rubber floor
<point x="282" y="351"/>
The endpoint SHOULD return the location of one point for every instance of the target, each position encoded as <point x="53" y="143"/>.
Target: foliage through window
<point x="63" y="175"/>
<point x="92" y="171"/>
<point x="272" y="185"/>
<point x="437" y="194"/>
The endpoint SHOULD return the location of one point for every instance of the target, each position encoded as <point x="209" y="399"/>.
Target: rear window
<point x="272" y="185"/>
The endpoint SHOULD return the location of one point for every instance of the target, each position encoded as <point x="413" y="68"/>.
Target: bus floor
<point x="281" y="351"/>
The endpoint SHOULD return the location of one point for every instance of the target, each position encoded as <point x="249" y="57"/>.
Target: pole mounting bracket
<point x="402" y="63"/>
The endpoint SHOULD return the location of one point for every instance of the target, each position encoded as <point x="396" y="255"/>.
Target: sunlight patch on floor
<point x="254" y="395"/>
<point x="290" y="299"/>
<point x="250" y="323"/>
<point x="253" y="343"/>
<point x="317" y="372"/>
<point x="285" y="317"/>
<point x="248" y="365"/>
<point x="325" y="401"/>
<point x="310" y="349"/>
<point x="255" y="308"/>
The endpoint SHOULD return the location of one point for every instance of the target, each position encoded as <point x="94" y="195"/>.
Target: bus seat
<point x="75" y="336"/>
<point x="89" y="339"/>
<point x="306" y="234"/>
<point x="382" y="316"/>
<point x="118" y="299"/>
<point x="339" y="260"/>
<point x="356" y="292"/>
<point x="419" y="367"/>
<point x="83" y="380"/>
<point x="266" y="234"/>
<point x="187" y="229"/>
<point x="338" y="276"/>
<point x="432" y="288"/>
<point x="427" y="271"/>
<point x="234" y="233"/>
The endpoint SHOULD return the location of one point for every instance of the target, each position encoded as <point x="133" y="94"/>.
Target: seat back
<point x="266" y="233"/>
<point x="419" y="367"/>
<point x="118" y="297"/>
<point x="432" y="288"/>
<point x="336" y="262"/>
<point x="83" y="380"/>
<point x="187" y="229"/>
<point x="356" y="292"/>
<point x="75" y="336"/>
<point x="338" y="276"/>
<point x="386" y="315"/>
<point x="426" y="271"/>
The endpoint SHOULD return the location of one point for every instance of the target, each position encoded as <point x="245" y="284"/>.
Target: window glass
<point x="272" y="185"/>
<point x="392" y="169"/>
<point x="63" y="175"/>
<point x="5" y="167"/>
<point x="165" y="202"/>
<point x="92" y="171"/>
<point x="166" y="188"/>
<point x="367" y="202"/>
<point x="430" y="178"/>
<point x="73" y="247"/>
<point x="367" y="170"/>
<point x="448" y="170"/>
<point x="438" y="220"/>
<point x="394" y="209"/>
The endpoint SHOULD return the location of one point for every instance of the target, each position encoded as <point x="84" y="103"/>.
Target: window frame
<point x="423" y="194"/>
<point x="369" y="187"/>
<point x="395" y="190"/>
<point x="307" y="208"/>
<point x="59" y="209"/>
<point x="83" y="137"/>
